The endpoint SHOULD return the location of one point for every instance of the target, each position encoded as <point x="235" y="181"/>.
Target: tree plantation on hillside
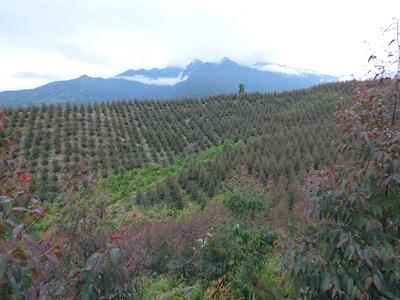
<point x="189" y="179"/>
<point x="218" y="219"/>
<point x="288" y="132"/>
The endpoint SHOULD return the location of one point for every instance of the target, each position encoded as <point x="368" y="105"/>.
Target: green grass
<point x="163" y="287"/>
<point x="128" y="183"/>
<point x="124" y="186"/>
<point x="161" y="211"/>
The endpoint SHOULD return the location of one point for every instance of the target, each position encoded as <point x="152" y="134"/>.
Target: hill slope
<point x="109" y="138"/>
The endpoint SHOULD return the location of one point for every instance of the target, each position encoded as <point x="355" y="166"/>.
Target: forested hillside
<point x="284" y="133"/>
<point x="204" y="199"/>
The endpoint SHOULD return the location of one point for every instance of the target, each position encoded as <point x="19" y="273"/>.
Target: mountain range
<point x="197" y="79"/>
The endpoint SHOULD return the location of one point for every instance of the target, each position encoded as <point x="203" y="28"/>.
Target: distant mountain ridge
<point x="196" y="80"/>
<point x="153" y="73"/>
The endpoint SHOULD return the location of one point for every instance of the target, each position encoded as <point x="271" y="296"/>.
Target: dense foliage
<point x="238" y="250"/>
<point x="198" y="190"/>
<point x="353" y="250"/>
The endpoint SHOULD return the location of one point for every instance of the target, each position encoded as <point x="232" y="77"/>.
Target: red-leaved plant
<point x="75" y="256"/>
<point x="353" y="250"/>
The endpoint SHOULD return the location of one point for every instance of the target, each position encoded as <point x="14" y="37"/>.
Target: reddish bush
<point x="73" y="258"/>
<point x="168" y="245"/>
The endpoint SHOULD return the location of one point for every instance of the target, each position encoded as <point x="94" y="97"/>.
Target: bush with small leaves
<point x="237" y="250"/>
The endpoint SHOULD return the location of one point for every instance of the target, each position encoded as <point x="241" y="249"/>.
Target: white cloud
<point x="278" y="68"/>
<point x="69" y="38"/>
<point x="15" y="64"/>
<point x="155" y="81"/>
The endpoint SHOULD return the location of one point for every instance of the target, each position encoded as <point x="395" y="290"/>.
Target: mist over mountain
<point x="195" y="80"/>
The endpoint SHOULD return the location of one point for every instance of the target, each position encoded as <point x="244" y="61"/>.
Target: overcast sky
<point x="47" y="40"/>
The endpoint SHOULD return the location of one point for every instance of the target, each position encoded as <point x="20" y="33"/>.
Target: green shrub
<point x="238" y="250"/>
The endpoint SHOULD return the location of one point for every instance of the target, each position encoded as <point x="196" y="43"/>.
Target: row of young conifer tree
<point x="289" y="131"/>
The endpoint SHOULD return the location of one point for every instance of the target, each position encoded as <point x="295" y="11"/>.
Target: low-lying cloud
<point x="155" y="81"/>
<point x="34" y="75"/>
